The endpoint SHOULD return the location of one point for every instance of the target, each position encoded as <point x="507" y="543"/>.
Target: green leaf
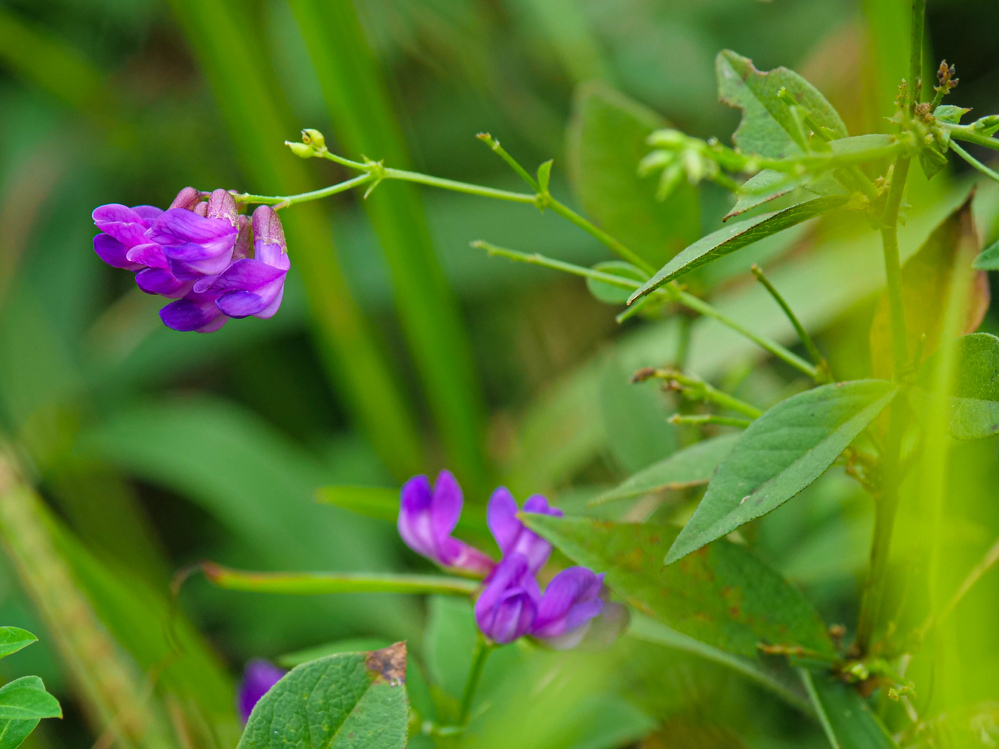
<point x="26" y="699"/>
<point x="609" y="294"/>
<point x="723" y="596"/>
<point x="545" y="174"/>
<point x="974" y="403"/>
<point x="926" y="281"/>
<point x="762" y="188"/>
<point x="349" y="700"/>
<point x="768" y="127"/>
<point x="449" y="644"/>
<point x="381" y="503"/>
<point x="731" y="238"/>
<point x="316" y="583"/>
<point x="13" y="639"/>
<point x="781" y="453"/>
<point x="988" y="259"/>
<point x="845" y="716"/>
<point x="14" y="732"/>
<point x="688" y="467"/>
<point x="950" y="113"/>
<point x="773" y="675"/>
<point x="606" y="141"/>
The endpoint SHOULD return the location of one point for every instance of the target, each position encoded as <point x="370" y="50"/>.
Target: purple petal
<point x="271" y="254"/>
<point x="242" y="248"/>
<point x="538" y="504"/>
<point x="121" y="222"/>
<point x="188" y="314"/>
<point x="247" y="275"/>
<point x="414" y="517"/>
<point x="445" y="506"/>
<point x="148" y="213"/>
<point x="162" y="282"/>
<point x="190" y="270"/>
<point x="241" y="304"/>
<point x="506" y="608"/>
<point x="179" y="227"/>
<point x="465" y="557"/>
<point x="571" y="599"/>
<point x="501" y="517"/>
<point x="149" y="255"/>
<point x="258" y="679"/>
<point x="113" y="252"/>
<point x="511" y="617"/>
<point x="272" y="308"/>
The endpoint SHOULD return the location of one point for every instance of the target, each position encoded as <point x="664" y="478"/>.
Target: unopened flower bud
<point x="314" y="138"/>
<point x="187" y="199"/>
<point x="222" y="205"/>
<point x="300" y="149"/>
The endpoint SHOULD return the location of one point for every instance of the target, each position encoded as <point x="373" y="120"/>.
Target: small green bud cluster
<point x="313" y="144"/>
<point x="677" y="156"/>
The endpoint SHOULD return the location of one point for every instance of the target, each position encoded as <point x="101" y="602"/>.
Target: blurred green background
<point x="399" y="349"/>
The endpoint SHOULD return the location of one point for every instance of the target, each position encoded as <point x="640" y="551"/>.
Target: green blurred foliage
<point x="154" y="449"/>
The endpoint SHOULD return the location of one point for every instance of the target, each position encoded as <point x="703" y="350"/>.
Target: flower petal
<point x="571" y="599"/>
<point x="271" y="308"/>
<point x="177" y="226"/>
<point x="149" y="255"/>
<point x="187" y="198"/>
<point x="414" y="516"/>
<point x="121" y="222"/>
<point x="113" y="252"/>
<point x="222" y="205"/>
<point x="148" y="213"/>
<point x="445" y="505"/>
<point x="187" y="314"/>
<point x="247" y="275"/>
<point x="240" y="304"/>
<point x="267" y="229"/>
<point x="162" y="282"/>
<point x="259" y="677"/>
<point x="501" y="516"/>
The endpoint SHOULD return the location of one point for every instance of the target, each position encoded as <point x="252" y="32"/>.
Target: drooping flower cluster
<point x="198" y="253"/>
<point x="511" y="603"/>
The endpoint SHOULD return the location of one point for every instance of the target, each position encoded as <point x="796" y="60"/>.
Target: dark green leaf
<point x="723" y="595"/>
<point x="609" y="294"/>
<point x="606" y="141"/>
<point x="26" y="699"/>
<point x="845" y="716"/>
<point x="974" y="404"/>
<point x="988" y="259"/>
<point x="768" y="128"/>
<point x="781" y="453"/>
<point x="348" y="700"/>
<point x="13" y="639"/>
<point x="762" y="188"/>
<point x="688" y="467"/>
<point x="14" y="732"/>
<point x="735" y="237"/>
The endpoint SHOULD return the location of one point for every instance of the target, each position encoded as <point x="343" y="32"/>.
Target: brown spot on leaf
<point x="387" y="665"/>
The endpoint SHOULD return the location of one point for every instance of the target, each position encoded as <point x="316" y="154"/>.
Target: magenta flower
<point x="512" y="536"/>
<point x="197" y="245"/>
<point x="258" y="678"/>
<point x="571" y="600"/>
<point x="508" y="605"/>
<point x="427" y="518"/>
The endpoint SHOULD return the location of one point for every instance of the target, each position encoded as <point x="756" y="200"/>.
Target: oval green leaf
<point x="732" y="238"/>
<point x="609" y="294"/>
<point x="781" y="453"/>
<point x="26" y="699"/>
<point x="13" y="639"/>
<point x="723" y="596"/>
<point x="14" y="732"/>
<point x="348" y="700"/>
<point x="974" y="404"/>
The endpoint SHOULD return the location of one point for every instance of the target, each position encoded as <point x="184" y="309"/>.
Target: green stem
<point x="512" y="162"/>
<point x="455" y="186"/>
<point x="482" y="651"/>
<point x="704" y="420"/>
<point x="670" y="291"/>
<point x="916" y="52"/>
<point x="813" y="351"/>
<point x="893" y="267"/>
<point x="282" y="201"/>
<point x="974" y="162"/>
<point x="618" y="248"/>
<point x="308" y="583"/>
<point x="969" y="134"/>
<point x="697" y="389"/>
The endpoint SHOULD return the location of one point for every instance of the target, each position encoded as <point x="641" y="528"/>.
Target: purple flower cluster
<point x="511" y="603"/>
<point x="197" y="252"/>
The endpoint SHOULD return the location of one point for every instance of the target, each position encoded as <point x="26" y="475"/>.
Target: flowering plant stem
<point x="482" y="650"/>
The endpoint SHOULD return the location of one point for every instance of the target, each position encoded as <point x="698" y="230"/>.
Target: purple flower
<point x="258" y="678"/>
<point x="196" y="245"/>
<point x="123" y="231"/>
<point x="511" y="604"/>
<point x="508" y="605"/>
<point x="512" y="535"/>
<point x="427" y="518"/>
<point x="255" y="286"/>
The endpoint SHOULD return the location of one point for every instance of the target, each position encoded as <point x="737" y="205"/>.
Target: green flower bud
<point x="314" y="138"/>
<point x="300" y="149"/>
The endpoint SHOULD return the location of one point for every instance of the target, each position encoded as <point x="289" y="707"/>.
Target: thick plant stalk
<point x="111" y="687"/>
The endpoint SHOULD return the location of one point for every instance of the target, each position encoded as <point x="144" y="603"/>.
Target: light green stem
<point x="992" y="174"/>
<point x="697" y="389"/>
<point x="309" y="583"/>
<point x="704" y="420"/>
<point x="969" y="134"/>
<point x="482" y="651"/>
<point x="285" y="200"/>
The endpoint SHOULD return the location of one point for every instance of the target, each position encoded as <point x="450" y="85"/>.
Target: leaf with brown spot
<point x="925" y="281"/>
<point x="388" y="664"/>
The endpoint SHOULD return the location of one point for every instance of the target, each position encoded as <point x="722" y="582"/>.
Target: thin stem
<point x="697" y="305"/>
<point x="669" y="291"/>
<point x="813" y="351"/>
<point x="455" y="186"/>
<point x="697" y="389"/>
<point x="969" y="134"/>
<point x="512" y="162"/>
<point x="482" y="651"/>
<point x="618" y="248"/>
<point x="916" y="52"/>
<point x="974" y="162"/>
<point x="282" y="201"/>
<point x="893" y="267"/>
<point x="704" y="420"/>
